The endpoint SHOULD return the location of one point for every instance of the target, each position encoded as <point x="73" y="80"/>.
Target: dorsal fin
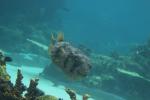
<point x="52" y="38"/>
<point x="60" y="37"/>
<point x="52" y="42"/>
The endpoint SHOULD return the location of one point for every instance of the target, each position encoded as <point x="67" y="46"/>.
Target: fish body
<point x="70" y="59"/>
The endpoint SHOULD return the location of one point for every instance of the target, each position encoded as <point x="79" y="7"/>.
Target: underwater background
<point x="115" y="35"/>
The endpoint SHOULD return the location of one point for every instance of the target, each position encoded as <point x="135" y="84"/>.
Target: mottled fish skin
<point x="71" y="60"/>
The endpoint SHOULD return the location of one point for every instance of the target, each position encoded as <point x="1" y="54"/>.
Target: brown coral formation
<point x="3" y="60"/>
<point x="32" y="91"/>
<point x="19" y="87"/>
<point x="47" y="97"/>
<point x="72" y="94"/>
<point x="8" y="91"/>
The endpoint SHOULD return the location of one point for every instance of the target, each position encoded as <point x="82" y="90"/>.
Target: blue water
<point x="117" y="23"/>
<point x="102" y="26"/>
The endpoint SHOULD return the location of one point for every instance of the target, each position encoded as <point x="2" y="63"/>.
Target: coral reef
<point x="19" y="87"/>
<point x="47" y="97"/>
<point x="32" y="91"/>
<point x="8" y="91"/>
<point x="141" y="55"/>
<point x="126" y="76"/>
<point x="72" y="94"/>
<point x="3" y="60"/>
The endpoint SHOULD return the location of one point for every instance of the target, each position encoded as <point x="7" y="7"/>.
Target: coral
<point x="117" y="73"/>
<point x="95" y="81"/>
<point x="8" y="91"/>
<point x="32" y="91"/>
<point x="47" y="97"/>
<point x="71" y="93"/>
<point x="6" y="88"/>
<point x="86" y="96"/>
<point x="3" y="73"/>
<point x="3" y="60"/>
<point x="19" y="87"/>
